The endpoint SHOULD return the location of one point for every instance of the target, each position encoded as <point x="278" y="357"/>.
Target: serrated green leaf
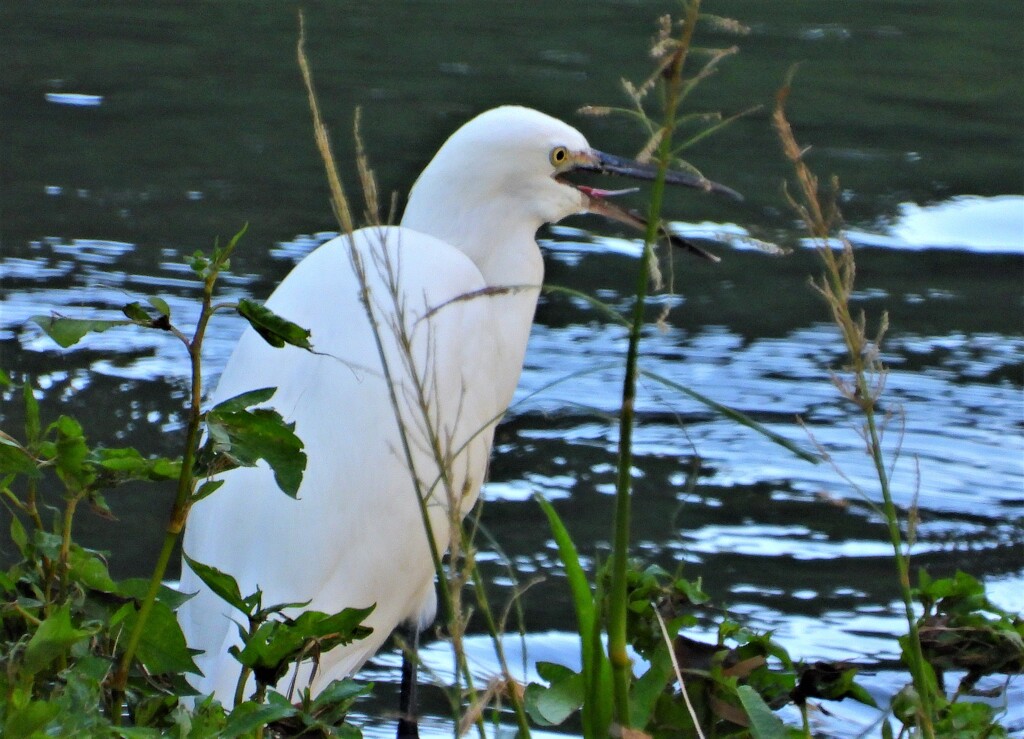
<point x="54" y="637"/>
<point x="339" y="694"/>
<point x="69" y="331"/>
<point x="162" y="648"/>
<point x="276" y="644"/>
<point x="71" y="454"/>
<point x="249" y="716"/>
<point x="221" y="583"/>
<point x="137" y="587"/>
<point x="244" y="437"/>
<point x="129" y="464"/>
<point x="244" y="401"/>
<point x="274" y="329"/>
<point x="90" y="570"/>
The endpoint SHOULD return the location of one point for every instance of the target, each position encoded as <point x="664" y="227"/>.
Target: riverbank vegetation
<point x="86" y="655"/>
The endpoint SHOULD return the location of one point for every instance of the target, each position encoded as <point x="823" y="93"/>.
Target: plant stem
<point x="617" y="642"/>
<point x="492" y="628"/>
<point x="30" y="507"/>
<point x="837" y="288"/>
<point x="186" y="484"/>
<point x="917" y="664"/>
<point x="65" y="546"/>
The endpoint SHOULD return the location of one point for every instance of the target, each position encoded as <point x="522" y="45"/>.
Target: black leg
<point x="407" y="723"/>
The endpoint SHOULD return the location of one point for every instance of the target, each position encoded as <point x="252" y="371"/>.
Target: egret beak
<point x="596" y="199"/>
<point x="598" y="161"/>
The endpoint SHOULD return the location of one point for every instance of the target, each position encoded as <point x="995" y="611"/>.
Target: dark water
<point x="131" y="136"/>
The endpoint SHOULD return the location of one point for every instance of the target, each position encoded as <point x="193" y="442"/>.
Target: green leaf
<point x="19" y="536"/>
<point x="738" y="417"/>
<point x="129" y="464"/>
<point x="962" y="585"/>
<point x="71" y="455"/>
<point x="69" y="331"/>
<point x="135" y="312"/>
<point x="199" y="263"/>
<point x="583" y="598"/>
<point x="244" y="437"/>
<point x="244" y="401"/>
<point x="90" y="570"/>
<point x="161" y="306"/>
<point x="207" y="488"/>
<point x="162" y="648"/>
<point x="32" y="427"/>
<point x="552" y="705"/>
<point x="886" y="730"/>
<point x="227" y="250"/>
<point x="553" y="672"/>
<point x="54" y="637"/>
<point x="276" y="644"/>
<point x="249" y="716"/>
<point x="764" y="724"/>
<point x="692" y="592"/>
<point x="339" y="694"/>
<point x="596" y="666"/>
<point x="46" y="543"/>
<point x="16" y="459"/>
<point x="28" y="720"/>
<point x="221" y="583"/>
<point x="137" y="587"/>
<point x="5" y="379"/>
<point x="274" y="329"/>
<point x="650" y="686"/>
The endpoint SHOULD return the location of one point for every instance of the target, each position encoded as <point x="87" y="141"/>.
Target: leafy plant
<point x="83" y="652"/>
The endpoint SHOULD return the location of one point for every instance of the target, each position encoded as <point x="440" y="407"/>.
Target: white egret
<point x="453" y="292"/>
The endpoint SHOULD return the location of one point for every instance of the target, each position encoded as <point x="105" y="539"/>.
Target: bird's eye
<point x="559" y="155"/>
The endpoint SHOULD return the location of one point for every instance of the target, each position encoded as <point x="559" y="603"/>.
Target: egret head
<point x="502" y="175"/>
<point x="503" y="161"/>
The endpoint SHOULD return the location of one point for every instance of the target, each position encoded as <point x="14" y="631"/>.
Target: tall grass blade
<point x="738" y="417"/>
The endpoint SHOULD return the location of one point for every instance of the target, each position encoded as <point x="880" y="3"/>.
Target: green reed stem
<point x="617" y="641"/>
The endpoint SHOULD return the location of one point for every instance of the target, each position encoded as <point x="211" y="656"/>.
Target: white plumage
<point x="461" y="277"/>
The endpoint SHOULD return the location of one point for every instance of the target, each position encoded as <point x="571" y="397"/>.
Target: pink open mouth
<point x="596" y="192"/>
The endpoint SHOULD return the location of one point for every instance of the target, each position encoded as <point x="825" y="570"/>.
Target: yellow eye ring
<point x="559" y="156"/>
